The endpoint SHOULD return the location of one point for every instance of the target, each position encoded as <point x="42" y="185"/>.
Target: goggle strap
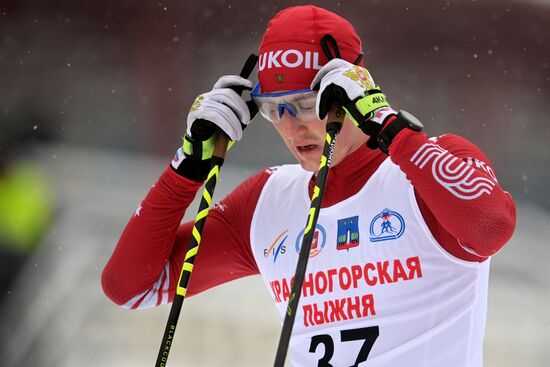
<point x="328" y="39"/>
<point x="358" y="59"/>
<point x="325" y="41"/>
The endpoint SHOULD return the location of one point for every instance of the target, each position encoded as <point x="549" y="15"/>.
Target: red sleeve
<point x="146" y="242"/>
<point x="467" y="211"/>
<point x="225" y="252"/>
<point x="145" y="265"/>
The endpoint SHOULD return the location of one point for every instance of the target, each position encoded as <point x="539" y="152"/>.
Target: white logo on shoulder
<point x="138" y="210"/>
<point x="454" y="174"/>
<point x="219" y="206"/>
<point x="271" y="170"/>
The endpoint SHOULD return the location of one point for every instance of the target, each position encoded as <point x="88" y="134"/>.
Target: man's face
<point x="305" y="140"/>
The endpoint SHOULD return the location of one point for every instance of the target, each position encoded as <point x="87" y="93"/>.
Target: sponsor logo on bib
<point x="318" y="243"/>
<point x="386" y="225"/>
<point x="277" y="247"/>
<point x="348" y="233"/>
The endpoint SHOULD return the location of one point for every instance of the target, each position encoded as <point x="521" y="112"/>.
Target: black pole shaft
<point x="169" y="331"/>
<point x="333" y="128"/>
<point x="187" y="268"/>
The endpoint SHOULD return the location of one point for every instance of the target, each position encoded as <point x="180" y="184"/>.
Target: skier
<point x="417" y="297"/>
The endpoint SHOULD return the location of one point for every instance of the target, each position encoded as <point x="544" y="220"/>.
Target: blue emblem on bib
<point x="386" y="225"/>
<point x="318" y="243"/>
<point x="348" y="233"/>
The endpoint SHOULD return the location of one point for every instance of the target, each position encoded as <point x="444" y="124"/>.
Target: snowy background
<point x="95" y="94"/>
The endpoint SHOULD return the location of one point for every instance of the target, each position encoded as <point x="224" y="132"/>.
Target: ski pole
<point x="335" y="117"/>
<point x="204" y="207"/>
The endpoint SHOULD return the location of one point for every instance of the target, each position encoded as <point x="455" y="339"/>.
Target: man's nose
<point x="292" y="125"/>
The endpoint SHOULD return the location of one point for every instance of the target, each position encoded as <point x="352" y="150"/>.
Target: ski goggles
<point x="299" y="104"/>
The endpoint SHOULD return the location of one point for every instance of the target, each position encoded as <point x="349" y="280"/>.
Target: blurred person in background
<point x="401" y="253"/>
<point x="26" y="206"/>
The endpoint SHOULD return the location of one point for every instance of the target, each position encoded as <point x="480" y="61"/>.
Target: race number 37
<point x="368" y="334"/>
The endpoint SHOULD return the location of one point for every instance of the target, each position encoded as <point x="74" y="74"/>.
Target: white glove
<point x="354" y="80"/>
<point x="223" y="107"/>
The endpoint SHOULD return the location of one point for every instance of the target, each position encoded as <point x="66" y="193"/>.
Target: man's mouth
<point x="306" y="148"/>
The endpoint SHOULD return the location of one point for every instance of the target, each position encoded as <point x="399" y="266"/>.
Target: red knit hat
<point x="291" y="53"/>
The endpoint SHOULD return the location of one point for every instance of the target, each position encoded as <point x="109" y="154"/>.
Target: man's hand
<point x="354" y="88"/>
<point x="221" y="108"/>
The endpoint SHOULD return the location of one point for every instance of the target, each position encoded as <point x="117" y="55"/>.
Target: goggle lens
<point x="298" y="104"/>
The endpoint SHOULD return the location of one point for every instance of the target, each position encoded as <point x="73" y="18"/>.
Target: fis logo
<point x="277" y="247"/>
<point x="348" y="233"/>
<point x="318" y="243"/>
<point x="386" y="225"/>
<point x="290" y="59"/>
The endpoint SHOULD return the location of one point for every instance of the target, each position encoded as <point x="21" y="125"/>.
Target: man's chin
<point x="309" y="162"/>
<point x="309" y="165"/>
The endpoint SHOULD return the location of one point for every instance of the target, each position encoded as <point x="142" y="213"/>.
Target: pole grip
<point x="336" y="116"/>
<point x="222" y="140"/>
